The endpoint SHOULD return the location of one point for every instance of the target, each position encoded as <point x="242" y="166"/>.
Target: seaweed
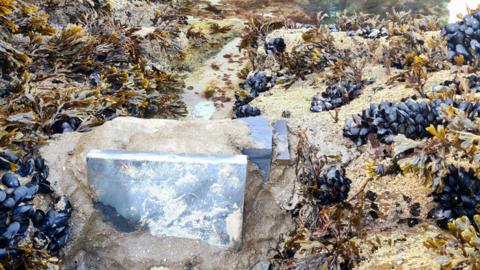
<point x="357" y="21"/>
<point x="254" y="36"/>
<point x="462" y="234"/>
<point x="92" y="72"/>
<point x="430" y="158"/>
<point x="57" y="80"/>
<point x="402" y="50"/>
<point x="32" y="259"/>
<point x="215" y="28"/>
<point x="316" y="53"/>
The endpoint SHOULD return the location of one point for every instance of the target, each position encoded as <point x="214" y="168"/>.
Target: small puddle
<point x="203" y="110"/>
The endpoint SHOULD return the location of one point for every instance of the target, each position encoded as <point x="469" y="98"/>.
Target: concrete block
<point x="262" y="134"/>
<point x="195" y="196"/>
<point x="280" y="131"/>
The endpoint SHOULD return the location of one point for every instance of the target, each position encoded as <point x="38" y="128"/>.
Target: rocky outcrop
<point x="97" y="244"/>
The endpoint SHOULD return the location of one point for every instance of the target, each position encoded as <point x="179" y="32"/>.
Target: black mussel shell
<point x="9" y="253"/>
<point x="45" y="188"/>
<point x="10" y="156"/>
<point x="38" y="218"/>
<point x="20" y="193"/>
<point x="27" y="168"/>
<point x="11" y="230"/>
<point x="9" y="203"/>
<point x="10" y="180"/>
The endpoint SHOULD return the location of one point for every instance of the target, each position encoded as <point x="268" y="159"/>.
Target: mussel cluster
<point x="370" y="33"/>
<point x="256" y="82"/>
<point x="474" y="83"/>
<point x="329" y="188"/>
<point x="275" y="46"/>
<point x="335" y="96"/>
<point x="408" y="117"/>
<point x="460" y="196"/>
<point x="333" y="28"/>
<point x="463" y="37"/>
<point x="66" y="125"/>
<point x="365" y="32"/>
<point x="247" y="111"/>
<point x="50" y="229"/>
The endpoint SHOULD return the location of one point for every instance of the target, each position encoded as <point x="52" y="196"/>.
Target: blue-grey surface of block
<point x="194" y="196"/>
<point x="280" y="131"/>
<point x="262" y="134"/>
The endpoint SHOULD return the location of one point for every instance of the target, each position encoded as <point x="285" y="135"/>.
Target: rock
<point x="281" y="142"/>
<point x="261" y="132"/>
<point x="193" y="196"/>
<point x="96" y="243"/>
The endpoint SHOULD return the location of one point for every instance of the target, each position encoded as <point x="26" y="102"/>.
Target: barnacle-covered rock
<point x="460" y="196"/>
<point x="408" y="117"/>
<point x="463" y="37"/>
<point x="335" y="96"/>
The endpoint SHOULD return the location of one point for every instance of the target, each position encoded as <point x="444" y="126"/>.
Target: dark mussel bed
<point x="22" y="223"/>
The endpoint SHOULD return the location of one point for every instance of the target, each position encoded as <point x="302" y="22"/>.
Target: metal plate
<point x="183" y="195"/>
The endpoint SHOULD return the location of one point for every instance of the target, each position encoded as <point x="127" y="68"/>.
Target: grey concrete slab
<point x="262" y="134"/>
<point x="195" y="196"/>
<point x="280" y="136"/>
